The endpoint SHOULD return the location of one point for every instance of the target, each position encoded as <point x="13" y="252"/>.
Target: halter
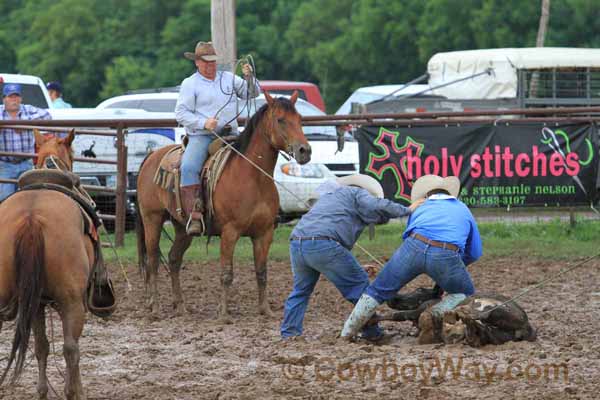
<point x="288" y="153"/>
<point x="53" y="162"/>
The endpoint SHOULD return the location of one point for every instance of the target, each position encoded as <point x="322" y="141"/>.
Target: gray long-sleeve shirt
<point x="201" y="98"/>
<point x="343" y="213"/>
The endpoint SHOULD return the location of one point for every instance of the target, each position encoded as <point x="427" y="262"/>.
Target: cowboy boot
<point x="363" y="311"/>
<point x="192" y="206"/>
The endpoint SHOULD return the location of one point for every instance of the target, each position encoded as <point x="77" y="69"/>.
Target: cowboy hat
<point x="427" y="183"/>
<point x="366" y="182"/>
<point x="204" y="51"/>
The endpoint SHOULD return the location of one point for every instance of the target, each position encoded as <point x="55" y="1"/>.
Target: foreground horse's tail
<point x="29" y="264"/>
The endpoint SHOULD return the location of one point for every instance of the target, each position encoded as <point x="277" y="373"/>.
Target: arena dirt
<point x="130" y="356"/>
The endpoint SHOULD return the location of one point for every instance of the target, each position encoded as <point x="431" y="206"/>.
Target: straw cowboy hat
<point x="204" y="51"/>
<point x="427" y="183"/>
<point x="366" y="182"/>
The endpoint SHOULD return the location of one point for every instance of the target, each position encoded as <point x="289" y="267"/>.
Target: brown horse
<point x="245" y="202"/>
<point x="45" y="260"/>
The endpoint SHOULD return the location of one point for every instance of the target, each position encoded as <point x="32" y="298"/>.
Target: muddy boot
<point x="192" y="205"/>
<point x="363" y="311"/>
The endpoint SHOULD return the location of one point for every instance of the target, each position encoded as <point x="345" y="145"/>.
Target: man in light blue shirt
<point x="55" y="91"/>
<point x="207" y="103"/>
<point x="321" y="243"/>
<point x="440" y="239"/>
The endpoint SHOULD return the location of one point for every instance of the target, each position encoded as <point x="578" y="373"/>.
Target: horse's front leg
<point x="42" y="349"/>
<point x="152" y="231"/>
<point x="261" y="247"/>
<point x="229" y="237"/>
<point x="180" y="245"/>
<point x="73" y="316"/>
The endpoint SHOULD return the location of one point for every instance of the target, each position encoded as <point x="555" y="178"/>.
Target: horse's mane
<point x="252" y="124"/>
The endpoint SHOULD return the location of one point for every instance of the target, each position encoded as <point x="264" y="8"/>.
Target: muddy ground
<point x="195" y="357"/>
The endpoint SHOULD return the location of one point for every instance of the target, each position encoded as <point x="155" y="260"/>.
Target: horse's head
<point x="54" y="152"/>
<point x="285" y="131"/>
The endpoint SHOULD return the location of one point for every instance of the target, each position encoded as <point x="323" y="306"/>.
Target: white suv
<point x="297" y="183"/>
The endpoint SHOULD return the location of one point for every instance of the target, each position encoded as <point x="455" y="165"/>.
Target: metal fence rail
<point x="118" y="129"/>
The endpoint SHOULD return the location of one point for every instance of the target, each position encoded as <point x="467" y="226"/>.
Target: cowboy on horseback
<point x="204" y="107"/>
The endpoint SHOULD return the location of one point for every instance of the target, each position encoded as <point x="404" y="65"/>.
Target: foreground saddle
<point x="101" y="300"/>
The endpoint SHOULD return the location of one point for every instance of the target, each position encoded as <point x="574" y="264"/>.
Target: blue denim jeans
<point x="194" y="156"/>
<point x="310" y="259"/>
<point x="414" y="258"/>
<point x="12" y="171"/>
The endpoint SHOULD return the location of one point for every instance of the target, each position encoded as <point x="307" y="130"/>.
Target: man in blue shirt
<point x="16" y="140"/>
<point x="321" y="243"/>
<point x="440" y="239"/>
<point x="207" y="103"/>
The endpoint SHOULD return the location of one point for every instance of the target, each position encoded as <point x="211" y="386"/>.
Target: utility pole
<point x="222" y="21"/>
<point x="541" y="37"/>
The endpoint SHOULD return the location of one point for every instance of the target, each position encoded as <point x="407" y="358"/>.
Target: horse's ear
<point x="39" y="138"/>
<point x="294" y="97"/>
<point x="69" y="139"/>
<point x="269" y="98"/>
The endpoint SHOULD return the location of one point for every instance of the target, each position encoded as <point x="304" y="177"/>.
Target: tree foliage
<point x="100" y="49"/>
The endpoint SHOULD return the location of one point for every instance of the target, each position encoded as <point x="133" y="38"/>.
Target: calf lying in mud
<point x="476" y="321"/>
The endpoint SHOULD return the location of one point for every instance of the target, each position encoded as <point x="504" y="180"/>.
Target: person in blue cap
<point x="55" y="91"/>
<point x="13" y="140"/>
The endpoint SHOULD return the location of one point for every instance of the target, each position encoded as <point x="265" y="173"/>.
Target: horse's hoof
<point x="179" y="309"/>
<point x="225" y="319"/>
<point x="266" y="311"/>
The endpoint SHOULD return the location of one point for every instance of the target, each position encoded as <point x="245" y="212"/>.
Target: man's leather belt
<point x="301" y="238"/>
<point x="434" y="243"/>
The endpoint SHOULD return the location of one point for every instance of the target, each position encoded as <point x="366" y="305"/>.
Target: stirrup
<point x="189" y="223"/>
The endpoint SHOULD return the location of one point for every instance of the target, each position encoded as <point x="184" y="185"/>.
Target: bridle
<point x="288" y="147"/>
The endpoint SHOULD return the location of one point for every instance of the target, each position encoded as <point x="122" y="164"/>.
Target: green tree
<point x="126" y="73"/>
<point x="181" y="32"/>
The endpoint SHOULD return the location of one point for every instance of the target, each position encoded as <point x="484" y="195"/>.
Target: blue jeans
<point x="414" y="258"/>
<point x="194" y="156"/>
<point x="12" y="171"/>
<point x="310" y="259"/>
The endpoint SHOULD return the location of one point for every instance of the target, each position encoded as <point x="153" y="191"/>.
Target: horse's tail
<point x="29" y="264"/>
<point x="141" y="239"/>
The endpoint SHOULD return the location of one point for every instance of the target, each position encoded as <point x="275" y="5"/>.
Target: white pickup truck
<point x="34" y="91"/>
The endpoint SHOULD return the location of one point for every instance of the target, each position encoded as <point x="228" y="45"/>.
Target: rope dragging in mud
<point x="543" y="282"/>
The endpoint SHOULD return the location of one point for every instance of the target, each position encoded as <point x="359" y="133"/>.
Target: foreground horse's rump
<point x="479" y="320"/>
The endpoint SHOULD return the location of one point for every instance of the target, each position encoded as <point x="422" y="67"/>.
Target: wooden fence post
<point x="121" y="196"/>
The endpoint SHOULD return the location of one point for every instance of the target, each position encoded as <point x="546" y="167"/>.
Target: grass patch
<point x="540" y="240"/>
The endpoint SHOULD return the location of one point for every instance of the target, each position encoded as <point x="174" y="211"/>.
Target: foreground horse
<point x="245" y="201"/>
<point x="45" y="259"/>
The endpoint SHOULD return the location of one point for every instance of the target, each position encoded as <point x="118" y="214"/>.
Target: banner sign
<point x="520" y="164"/>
